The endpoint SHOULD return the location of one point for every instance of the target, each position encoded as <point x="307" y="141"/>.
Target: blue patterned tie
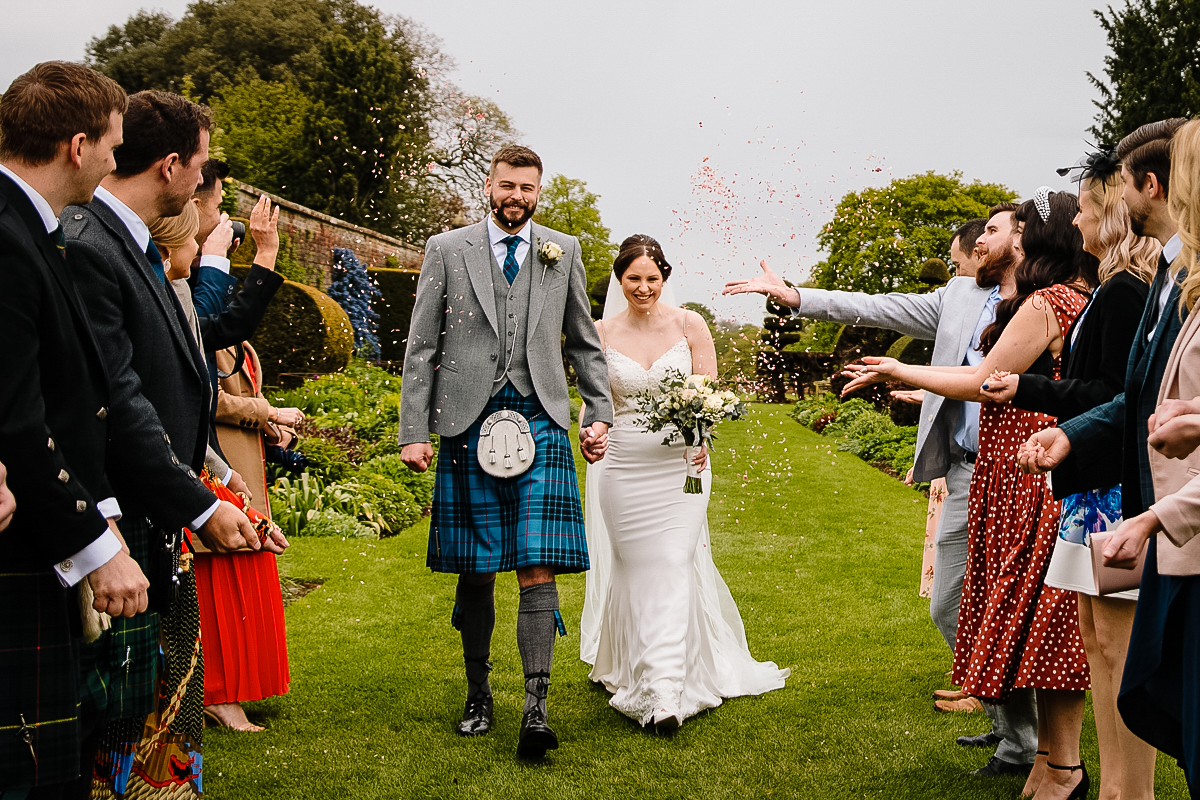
<point x="156" y="261"/>
<point x="511" y="267"/>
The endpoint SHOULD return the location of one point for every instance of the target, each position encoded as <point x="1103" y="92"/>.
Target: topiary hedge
<point x="303" y="332"/>
<point x="399" y="290"/>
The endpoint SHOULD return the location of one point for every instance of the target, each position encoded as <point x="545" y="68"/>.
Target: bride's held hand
<point x="1001" y="387"/>
<point x="701" y="459"/>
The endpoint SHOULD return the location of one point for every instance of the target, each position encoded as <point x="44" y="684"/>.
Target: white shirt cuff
<point x="228" y="475"/>
<point x="110" y="508"/>
<point x="199" y="521"/>
<point x="220" y="262"/>
<point x="89" y="559"/>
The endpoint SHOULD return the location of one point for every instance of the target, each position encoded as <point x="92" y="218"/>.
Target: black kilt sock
<point x="476" y="618"/>
<point x="537" y="625"/>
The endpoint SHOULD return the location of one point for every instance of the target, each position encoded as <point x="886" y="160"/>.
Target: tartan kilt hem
<point x="483" y="524"/>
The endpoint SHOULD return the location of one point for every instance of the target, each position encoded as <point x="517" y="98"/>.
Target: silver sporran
<point x="506" y="447"/>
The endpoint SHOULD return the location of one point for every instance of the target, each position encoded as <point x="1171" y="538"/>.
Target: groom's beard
<point x="514" y="213"/>
<point x="994" y="265"/>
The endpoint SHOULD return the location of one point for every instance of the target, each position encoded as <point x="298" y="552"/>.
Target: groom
<point x="498" y="305"/>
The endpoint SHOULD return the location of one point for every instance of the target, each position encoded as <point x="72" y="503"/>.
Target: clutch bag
<point x="1110" y="580"/>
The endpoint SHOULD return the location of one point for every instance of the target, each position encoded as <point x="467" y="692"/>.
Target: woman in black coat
<point x="1095" y="357"/>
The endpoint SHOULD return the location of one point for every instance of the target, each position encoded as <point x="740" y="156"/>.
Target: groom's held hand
<point x="417" y="456"/>
<point x="593" y="441"/>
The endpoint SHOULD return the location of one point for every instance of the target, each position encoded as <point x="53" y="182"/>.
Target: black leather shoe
<point x="536" y="736"/>
<point x="477" y="716"/>
<point x="998" y="767"/>
<point x="988" y="739"/>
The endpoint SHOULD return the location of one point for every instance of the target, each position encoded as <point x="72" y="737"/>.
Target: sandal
<point x="249" y="727"/>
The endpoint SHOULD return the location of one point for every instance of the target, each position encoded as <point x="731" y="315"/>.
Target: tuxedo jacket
<point x="1117" y="429"/>
<point x="455" y="338"/>
<point x="948" y="316"/>
<point x="159" y="422"/>
<point x="53" y="433"/>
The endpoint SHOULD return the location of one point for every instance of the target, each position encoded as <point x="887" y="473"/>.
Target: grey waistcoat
<point x="512" y="310"/>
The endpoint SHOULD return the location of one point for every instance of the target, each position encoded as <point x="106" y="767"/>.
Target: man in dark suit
<point x="159" y="419"/>
<point x="59" y="125"/>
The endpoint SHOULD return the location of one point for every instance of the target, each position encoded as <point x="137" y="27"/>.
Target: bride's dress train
<point x="659" y="625"/>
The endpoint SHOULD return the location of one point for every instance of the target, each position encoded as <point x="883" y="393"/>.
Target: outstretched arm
<point x="1031" y="331"/>
<point x="914" y="315"/>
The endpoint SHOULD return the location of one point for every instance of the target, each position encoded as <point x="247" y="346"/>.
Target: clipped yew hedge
<point x="399" y="290"/>
<point x="304" y="332"/>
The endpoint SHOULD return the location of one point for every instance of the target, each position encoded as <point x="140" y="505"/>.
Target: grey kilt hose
<point x="483" y="524"/>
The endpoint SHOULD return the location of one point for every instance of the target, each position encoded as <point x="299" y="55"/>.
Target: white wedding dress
<point x="659" y="625"/>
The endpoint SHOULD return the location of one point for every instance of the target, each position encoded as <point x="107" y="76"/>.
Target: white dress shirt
<point x="1170" y="252"/>
<point x="500" y="250"/>
<point x="100" y="552"/>
<point x="141" y="235"/>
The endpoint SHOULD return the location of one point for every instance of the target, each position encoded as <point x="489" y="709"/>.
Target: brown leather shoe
<point x="968" y="705"/>
<point x="950" y="694"/>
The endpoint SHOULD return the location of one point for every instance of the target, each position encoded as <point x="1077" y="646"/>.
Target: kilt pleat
<point x="484" y="524"/>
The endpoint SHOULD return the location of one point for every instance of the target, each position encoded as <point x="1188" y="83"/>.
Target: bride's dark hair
<point x="634" y="248"/>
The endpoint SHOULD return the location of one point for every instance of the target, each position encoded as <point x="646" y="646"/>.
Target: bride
<point x="659" y="624"/>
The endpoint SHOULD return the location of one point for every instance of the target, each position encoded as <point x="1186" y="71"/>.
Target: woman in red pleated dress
<point x="241" y="607"/>
<point x="1014" y="632"/>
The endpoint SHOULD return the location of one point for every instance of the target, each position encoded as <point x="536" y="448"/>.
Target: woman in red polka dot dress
<point x="1014" y="632"/>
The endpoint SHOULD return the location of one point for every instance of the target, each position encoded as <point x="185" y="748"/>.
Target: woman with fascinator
<point x="659" y="625"/>
<point x="1014" y="632"/>
<point x="1095" y="357"/>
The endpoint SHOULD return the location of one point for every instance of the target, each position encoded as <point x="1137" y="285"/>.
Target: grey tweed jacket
<point x="454" y="336"/>
<point x="947" y="316"/>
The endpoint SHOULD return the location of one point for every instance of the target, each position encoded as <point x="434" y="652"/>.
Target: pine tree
<point x="1154" y="69"/>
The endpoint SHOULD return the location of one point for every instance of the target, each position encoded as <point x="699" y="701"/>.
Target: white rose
<point x="713" y="403"/>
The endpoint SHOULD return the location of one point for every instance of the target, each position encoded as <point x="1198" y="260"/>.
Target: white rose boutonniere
<point x="549" y="253"/>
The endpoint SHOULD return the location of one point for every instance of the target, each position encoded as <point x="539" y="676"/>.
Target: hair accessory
<point x="1100" y="165"/>
<point x="1041" y="201"/>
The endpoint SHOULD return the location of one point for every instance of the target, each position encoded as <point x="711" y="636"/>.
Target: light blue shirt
<point x="496" y="238"/>
<point x="966" y="433"/>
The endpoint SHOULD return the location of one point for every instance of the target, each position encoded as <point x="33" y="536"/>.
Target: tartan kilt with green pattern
<point x="39" y="680"/>
<point x="483" y="524"/>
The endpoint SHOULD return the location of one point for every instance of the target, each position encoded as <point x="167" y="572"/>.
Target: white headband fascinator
<point x="1041" y="201"/>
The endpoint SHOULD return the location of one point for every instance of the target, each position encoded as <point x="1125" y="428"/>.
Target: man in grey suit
<point x="954" y="316"/>
<point x="498" y="305"/>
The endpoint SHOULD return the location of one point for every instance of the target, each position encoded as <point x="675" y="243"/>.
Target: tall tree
<point x="1153" y="71"/>
<point x="260" y="133"/>
<point x="879" y="239"/>
<point x="566" y="205"/>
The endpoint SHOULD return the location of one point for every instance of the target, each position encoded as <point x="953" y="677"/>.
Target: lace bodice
<point x="627" y="378"/>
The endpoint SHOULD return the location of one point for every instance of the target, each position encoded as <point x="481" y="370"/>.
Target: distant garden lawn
<point x="822" y="553"/>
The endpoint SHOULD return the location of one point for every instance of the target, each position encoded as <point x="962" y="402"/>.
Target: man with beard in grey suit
<point x="498" y="305"/>
<point x="953" y="317"/>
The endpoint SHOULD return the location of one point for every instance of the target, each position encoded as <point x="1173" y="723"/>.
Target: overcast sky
<point x="729" y="130"/>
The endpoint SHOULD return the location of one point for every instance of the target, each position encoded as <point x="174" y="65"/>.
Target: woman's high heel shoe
<point x="1081" y="789"/>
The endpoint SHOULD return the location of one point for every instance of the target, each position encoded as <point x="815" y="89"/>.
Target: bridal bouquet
<point x="692" y="405"/>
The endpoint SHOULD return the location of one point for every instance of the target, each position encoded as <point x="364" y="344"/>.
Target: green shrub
<point x="293" y="501"/>
<point x="326" y="460"/>
<point x="302" y="332"/>
<point x="390" y="466"/>
<point x="814" y="407"/>
<point x="847" y="413"/>
<point x="335" y="523"/>
<point x="380" y="500"/>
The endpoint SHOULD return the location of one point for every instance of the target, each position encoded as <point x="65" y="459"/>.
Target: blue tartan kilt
<point x="484" y="524"/>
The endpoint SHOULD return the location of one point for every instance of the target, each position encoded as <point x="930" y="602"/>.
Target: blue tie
<point x="511" y="267"/>
<point x="156" y="261"/>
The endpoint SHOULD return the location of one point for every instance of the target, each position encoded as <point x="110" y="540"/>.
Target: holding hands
<point x="1044" y="451"/>
<point x="593" y="441"/>
<point x="1001" y="387"/>
<point x="1175" y="427"/>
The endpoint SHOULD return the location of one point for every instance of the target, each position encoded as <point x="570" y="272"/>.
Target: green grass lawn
<point x="822" y="553"/>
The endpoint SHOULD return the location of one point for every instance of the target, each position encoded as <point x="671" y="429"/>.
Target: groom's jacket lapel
<point x="538" y="286"/>
<point x="478" y="257"/>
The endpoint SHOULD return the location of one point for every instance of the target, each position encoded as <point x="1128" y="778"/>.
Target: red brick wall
<point x="314" y="235"/>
